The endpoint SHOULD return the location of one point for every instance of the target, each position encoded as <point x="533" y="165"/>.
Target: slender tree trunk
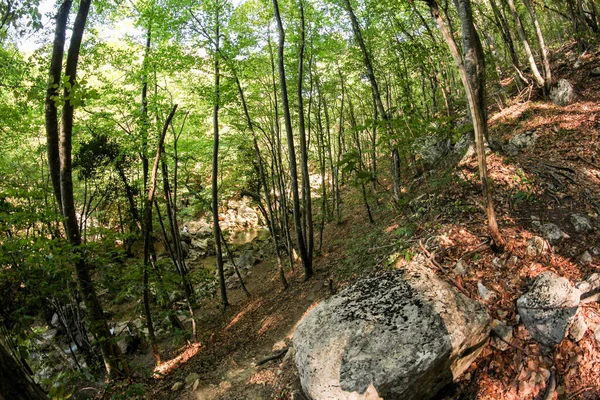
<point x="472" y="73"/>
<point x="63" y="144"/>
<point x="539" y="79"/>
<point x="306" y="192"/>
<point x="52" y="93"/>
<point x="304" y="256"/>
<point x="541" y="43"/>
<point x="376" y="95"/>
<point x="15" y="382"/>
<point x="215" y="170"/>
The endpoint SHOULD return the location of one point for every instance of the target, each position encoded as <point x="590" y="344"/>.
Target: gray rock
<point x="510" y="149"/>
<point x="460" y="268"/>
<point x="185" y="249"/>
<point x="401" y="335"/>
<point x="524" y="140"/>
<point x="185" y="237"/>
<point x="177" y="386"/>
<point x="595" y="71"/>
<point x="485" y="293"/>
<point x="191" y="378"/>
<point x="585" y="258"/>
<point x="553" y="233"/>
<point x="55" y="321"/>
<point x="502" y="335"/>
<point x="562" y="93"/>
<point x="577" y="64"/>
<point x="431" y="149"/>
<point x="581" y="223"/>
<point x="246" y="259"/>
<point x="537" y="246"/>
<point x="549" y="308"/>
<point x="590" y="288"/>
<point x="578" y="329"/>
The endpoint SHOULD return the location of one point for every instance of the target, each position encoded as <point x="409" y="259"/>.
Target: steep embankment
<point x="551" y="175"/>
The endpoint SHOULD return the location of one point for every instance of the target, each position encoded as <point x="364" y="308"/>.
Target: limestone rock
<point x="537" y="246"/>
<point x="595" y="71"/>
<point x="563" y="93"/>
<point x="246" y="259"/>
<point x="553" y="233"/>
<point x="585" y="258"/>
<point x="485" y="293"/>
<point x="590" y="288"/>
<point x="191" y="378"/>
<point x="503" y="335"/>
<point x="177" y="386"/>
<point x="185" y="237"/>
<point x="577" y="330"/>
<point x="195" y="385"/>
<point x="581" y="223"/>
<point x="431" y="149"/>
<point x="185" y="248"/>
<point x="400" y="335"/>
<point x="549" y="308"/>
<point x="523" y="140"/>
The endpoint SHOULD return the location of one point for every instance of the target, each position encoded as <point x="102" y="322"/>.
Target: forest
<point x="242" y="199"/>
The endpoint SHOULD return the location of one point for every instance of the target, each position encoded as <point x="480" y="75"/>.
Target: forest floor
<point x="558" y="176"/>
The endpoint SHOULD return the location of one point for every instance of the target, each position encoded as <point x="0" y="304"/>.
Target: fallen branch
<point x="589" y="162"/>
<point x="278" y="354"/>
<point x="481" y="247"/>
<point x="434" y="264"/>
<point x="551" y="386"/>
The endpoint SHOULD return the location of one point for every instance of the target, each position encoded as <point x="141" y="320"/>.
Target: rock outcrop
<point x="563" y="93"/>
<point x="549" y="308"/>
<point x="401" y="335"/>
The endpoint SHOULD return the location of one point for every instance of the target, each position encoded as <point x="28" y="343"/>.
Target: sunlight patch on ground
<point x="249" y="308"/>
<point x="167" y="366"/>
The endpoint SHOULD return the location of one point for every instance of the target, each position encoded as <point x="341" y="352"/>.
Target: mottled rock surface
<point x="549" y="308"/>
<point x="401" y="335"/>
<point x="563" y="93"/>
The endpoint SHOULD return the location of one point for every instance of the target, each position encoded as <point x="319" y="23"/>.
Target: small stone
<point x="581" y="223"/>
<point x="597" y="334"/>
<point x="590" y="288"/>
<point x="467" y="376"/>
<point x="577" y="64"/>
<point x="577" y="330"/>
<point x="289" y="355"/>
<point x="195" y="385"/>
<point x="191" y="379"/>
<point x="177" y="386"/>
<point x="502" y="335"/>
<point x="485" y="293"/>
<point x="496" y="262"/>
<point x="524" y="140"/>
<point x="562" y="93"/>
<point x="548" y="308"/>
<point x="537" y="246"/>
<point x="595" y="71"/>
<point x="585" y="258"/>
<point x="460" y="268"/>
<point x="553" y="233"/>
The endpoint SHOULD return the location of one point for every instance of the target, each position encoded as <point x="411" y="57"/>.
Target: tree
<point x="301" y="242"/>
<point x="59" y="156"/>
<point x="472" y="74"/>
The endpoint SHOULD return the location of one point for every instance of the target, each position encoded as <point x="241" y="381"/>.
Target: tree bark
<point x="215" y="171"/>
<point x="474" y="85"/>
<point x="539" y="79"/>
<point x="541" y="43"/>
<point x="304" y="256"/>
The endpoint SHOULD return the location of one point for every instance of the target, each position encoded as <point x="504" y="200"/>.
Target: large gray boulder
<point x="401" y="335"/>
<point x="549" y="308"/>
<point x="431" y="149"/>
<point x="563" y="93"/>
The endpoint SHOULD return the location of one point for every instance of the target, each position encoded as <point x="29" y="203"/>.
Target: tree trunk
<point x="215" y="171"/>
<point x="541" y="43"/>
<point x="539" y="79"/>
<point x="15" y="382"/>
<point x="61" y="147"/>
<point x="472" y="73"/>
<point x="304" y="256"/>
<point x="306" y="193"/>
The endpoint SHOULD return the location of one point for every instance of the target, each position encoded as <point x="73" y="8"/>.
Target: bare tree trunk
<point x="15" y="382"/>
<point x="376" y="95"/>
<point x="539" y="79"/>
<point x="61" y="146"/>
<point x="306" y="193"/>
<point x="472" y="73"/>
<point x="304" y="256"/>
<point x="541" y="42"/>
<point x="215" y="171"/>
